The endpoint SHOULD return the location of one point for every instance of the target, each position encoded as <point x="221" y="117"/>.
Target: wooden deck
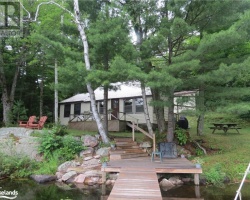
<point x="138" y="176"/>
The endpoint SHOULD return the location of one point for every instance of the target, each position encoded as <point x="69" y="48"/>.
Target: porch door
<point x="115" y="109"/>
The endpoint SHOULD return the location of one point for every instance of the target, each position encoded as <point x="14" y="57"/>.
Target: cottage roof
<point x="122" y="90"/>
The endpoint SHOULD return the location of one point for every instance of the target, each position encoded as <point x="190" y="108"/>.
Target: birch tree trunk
<point x="80" y="27"/>
<point x="145" y="106"/>
<point x="56" y="93"/>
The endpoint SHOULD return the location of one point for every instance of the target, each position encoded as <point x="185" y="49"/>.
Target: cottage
<point x="125" y="103"/>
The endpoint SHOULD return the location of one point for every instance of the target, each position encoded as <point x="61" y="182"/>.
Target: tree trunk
<point x="171" y="120"/>
<point x="41" y="98"/>
<point x="105" y="110"/>
<point x="56" y="93"/>
<point x="159" y="111"/>
<point x="201" y="111"/>
<point x="145" y="106"/>
<point x="80" y="27"/>
<point x="7" y="100"/>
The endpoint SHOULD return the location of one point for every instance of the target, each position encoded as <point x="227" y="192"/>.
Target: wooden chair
<point x="25" y="124"/>
<point x="38" y="125"/>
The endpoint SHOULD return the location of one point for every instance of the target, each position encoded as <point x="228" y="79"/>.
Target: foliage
<point x="104" y="159"/>
<point x="199" y="152"/>
<point x="18" y="112"/>
<point x="16" y="166"/>
<point x="215" y="176"/>
<point x="70" y="148"/>
<point x="181" y="136"/>
<point x="49" y="142"/>
<point x="65" y="147"/>
<point x="50" y="166"/>
<point x="59" y="130"/>
<point x="198" y="160"/>
<point x="160" y="137"/>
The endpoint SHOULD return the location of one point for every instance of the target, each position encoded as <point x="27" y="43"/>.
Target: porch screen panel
<point x="128" y="103"/>
<point x="139" y="105"/>
<point x="101" y="106"/>
<point x="77" y="108"/>
<point x="66" y="110"/>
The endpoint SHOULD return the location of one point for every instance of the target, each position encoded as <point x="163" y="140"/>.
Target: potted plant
<point x="198" y="162"/>
<point x="104" y="160"/>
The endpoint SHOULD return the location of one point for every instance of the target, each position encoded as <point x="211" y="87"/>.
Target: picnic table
<point x="225" y="127"/>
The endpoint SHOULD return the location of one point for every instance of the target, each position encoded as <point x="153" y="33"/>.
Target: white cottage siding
<point x="124" y="91"/>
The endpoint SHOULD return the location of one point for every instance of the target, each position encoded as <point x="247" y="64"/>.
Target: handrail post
<point x="154" y="142"/>
<point x="133" y="132"/>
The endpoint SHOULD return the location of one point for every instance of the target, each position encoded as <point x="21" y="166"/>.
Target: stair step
<point x="127" y="151"/>
<point x="123" y="139"/>
<point x="133" y="155"/>
<point x="125" y="143"/>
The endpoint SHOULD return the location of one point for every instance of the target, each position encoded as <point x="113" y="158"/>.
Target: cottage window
<point x="128" y="103"/>
<point x="66" y="110"/>
<point x="101" y="106"/>
<point x="77" y="108"/>
<point x="139" y="105"/>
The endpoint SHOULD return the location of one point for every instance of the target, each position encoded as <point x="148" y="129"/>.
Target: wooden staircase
<point x="126" y="148"/>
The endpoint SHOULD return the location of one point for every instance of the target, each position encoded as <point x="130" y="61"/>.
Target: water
<point x="30" y="190"/>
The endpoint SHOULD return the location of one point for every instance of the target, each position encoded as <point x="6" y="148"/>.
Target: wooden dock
<point x="138" y="176"/>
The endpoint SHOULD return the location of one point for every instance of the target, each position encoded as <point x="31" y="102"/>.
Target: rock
<point x="92" y="180"/>
<point x="90" y="163"/>
<point x="68" y="175"/>
<point x="78" y="170"/>
<point x="145" y="144"/>
<point x="103" y="151"/>
<point x="88" y="158"/>
<point x="63" y="167"/>
<point x="89" y="141"/>
<point x="108" y="182"/>
<point x="43" y="178"/>
<point x="59" y="175"/>
<point x="93" y="173"/>
<point x="80" y="178"/>
<point x="88" y="152"/>
<point x="186" y="180"/>
<point x="97" y="156"/>
<point x="175" y="180"/>
<point x="166" y="183"/>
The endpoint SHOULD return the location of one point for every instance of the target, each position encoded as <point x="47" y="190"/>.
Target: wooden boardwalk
<point x="138" y="176"/>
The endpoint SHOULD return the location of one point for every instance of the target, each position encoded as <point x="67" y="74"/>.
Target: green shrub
<point x="181" y="136"/>
<point x="70" y="148"/>
<point x="215" y="176"/>
<point x="50" y="166"/>
<point x="65" y="147"/>
<point x="16" y="166"/>
<point x="49" y="142"/>
<point x="59" y="130"/>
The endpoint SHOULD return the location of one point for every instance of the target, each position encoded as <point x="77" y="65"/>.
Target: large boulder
<point x="89" y="141"/>
<point x="88" y="152"/>
<point x="104" y="151"/>
<point x="68" y="175"/>
<point x="63" y="167"/>
<point x="43" y="178"/>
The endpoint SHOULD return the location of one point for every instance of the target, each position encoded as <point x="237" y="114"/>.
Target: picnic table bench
<point x="225" y="127"/>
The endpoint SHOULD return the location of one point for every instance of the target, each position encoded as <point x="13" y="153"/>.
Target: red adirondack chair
<point x="39" y="124"/>
<point x="25" y="124"/>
